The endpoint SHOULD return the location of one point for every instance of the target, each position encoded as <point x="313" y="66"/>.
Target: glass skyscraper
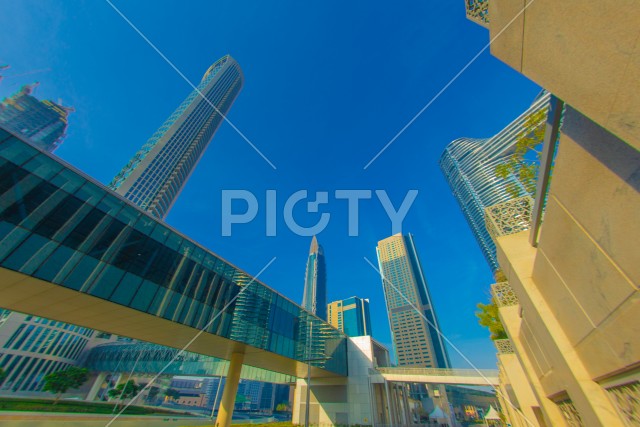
<point x="351" y="316"/>
<point x="155" y="175"/>
<point x="315" y="282"/>
<point x="30" y="346"/>
<point x="412" y="317"/>
<point x="469" y="167"/>
<point x="43" y="122"/>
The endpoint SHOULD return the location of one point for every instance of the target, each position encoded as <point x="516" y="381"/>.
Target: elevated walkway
<point x="481" y="377"/>
<point x="74" y="251"/>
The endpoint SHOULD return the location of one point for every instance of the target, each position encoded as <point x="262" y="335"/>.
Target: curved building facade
<point x="147" y="358"/>
<point x="155" y="175"/>
<point x="469" y="167"/>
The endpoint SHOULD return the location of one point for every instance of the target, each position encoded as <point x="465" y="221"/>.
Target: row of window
<point x="45" y="340"/>
<point x="141" y="154"/>
<point x="26" y="373"/>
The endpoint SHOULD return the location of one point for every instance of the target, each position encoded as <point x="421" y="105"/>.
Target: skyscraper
<point x="152" y="179"/>
<point x="469" y="166"/>
<point x="43" y="122"/>
<point x="34" y="346"/>
<point x="155" y="175"/>
<point x="411" y="313"/>
<point x="351" y="316"/>
<point x="315" y="282"/>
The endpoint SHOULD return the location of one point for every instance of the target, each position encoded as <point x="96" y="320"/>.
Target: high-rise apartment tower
<point x="412" y="317"/>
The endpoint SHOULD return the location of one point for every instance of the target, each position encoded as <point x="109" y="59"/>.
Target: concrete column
<point x="398" y="408"/>
<point x="407" y="409"/>
<point x="95" y="388"/>
<point x="225" y="413"/>
<point x="389" y="412"/>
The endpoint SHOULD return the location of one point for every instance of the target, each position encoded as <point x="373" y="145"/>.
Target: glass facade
<point x="43" y="122"/>
<point x="146" y="358"/>
<point x="34" y="347"/>
<point x="315" y="282"/>
<point x="469" y="167"/>
<point x="351" y="316"/>
<point x="64" y="228"/>
<point x="414" y="333"/>
<point x="155" y="175"/>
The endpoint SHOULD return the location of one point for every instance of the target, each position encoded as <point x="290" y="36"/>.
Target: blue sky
<point x="327" y="85"/>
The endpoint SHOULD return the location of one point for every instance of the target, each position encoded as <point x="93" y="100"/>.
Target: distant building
<point x="43" y="122"/>
<point x="315" y="282"/>
<point x="469" y="166"/>
<point x="32" y="347"/>
<point x="155" y="175"/>
<point x="412" y="317"/>
<point x="351" y="316"/>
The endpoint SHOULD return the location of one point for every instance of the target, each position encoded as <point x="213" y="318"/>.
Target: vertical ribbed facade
<point x="412" y="317"/>
<point x="155" y="175"/>
<point x="32" y="347"/>
<point x="315" y="282"/>
<point x="43" y="122"/>
<point x="469" y="167"/>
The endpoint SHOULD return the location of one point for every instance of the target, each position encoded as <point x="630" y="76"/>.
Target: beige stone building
<point x="571" y="304"/>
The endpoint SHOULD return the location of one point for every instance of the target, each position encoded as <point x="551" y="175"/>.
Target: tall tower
<point x="154" y="177"/>
<point x="469" y="167"/>
<point x="351" y="316"/>
<point x="43" y="122"/>
<point x="411" y="313"/>
<point x="315" y="282"/>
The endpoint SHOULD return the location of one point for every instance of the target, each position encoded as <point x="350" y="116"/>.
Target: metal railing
<point x="508" y="217"/>
<point x="504" y="346"/>
<point x="627" y="400"/>
<point x="478" y="11"/>
<point x="503" y="294"/>
<point x="439" y="372"/>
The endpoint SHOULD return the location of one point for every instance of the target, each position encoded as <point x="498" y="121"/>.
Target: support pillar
<point x="407" y="408"/>
<point x="97" y="385"/>
<point x="225" y="413"/>
<point x="389" y="412"/>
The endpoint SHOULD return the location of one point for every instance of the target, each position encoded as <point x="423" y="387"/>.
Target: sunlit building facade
<point x="351" y="316"/>
<point x="315" y="282"/>
<point x="412" y="317"/>
<point x="43" y="122"/>
<point x="155" y="175"/>
<point x="469" y="166"/>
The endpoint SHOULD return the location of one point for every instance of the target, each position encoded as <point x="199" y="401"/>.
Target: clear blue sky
<point x="327" y="85"/>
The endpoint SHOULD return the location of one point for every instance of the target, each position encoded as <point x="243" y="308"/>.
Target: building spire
<point x="314" y="246"/>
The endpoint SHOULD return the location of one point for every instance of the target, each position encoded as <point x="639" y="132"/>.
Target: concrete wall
<point x="586" y="52"/>
<point x="349" y="400"/>
<point x="579" y="327"/>
<point x="577" y="334"/>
